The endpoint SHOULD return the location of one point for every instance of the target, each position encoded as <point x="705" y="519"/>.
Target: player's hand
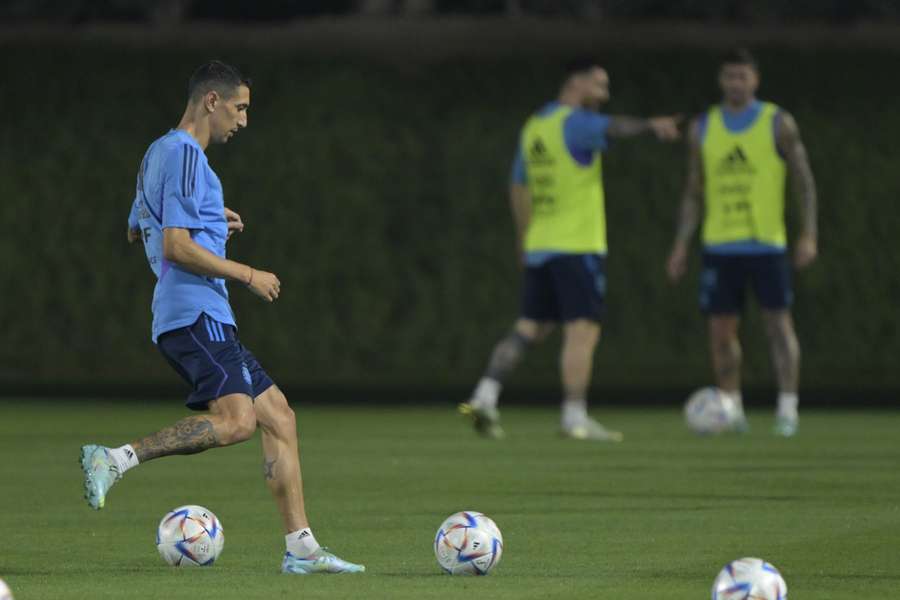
<point x="134" y="235"/>
<point x="676" y="266"/>
<point x="264" y="284"/>
<point x="666" y="128"/>
<point x="235" y="224"/>
<point x="806" y="249"/>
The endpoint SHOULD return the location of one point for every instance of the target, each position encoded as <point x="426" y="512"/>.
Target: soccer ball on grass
<point x="468" y="543"/>
<point x="749" y="579"/>
<point x="709" y="412"/>
<point x="5" y="594"/>
<point x="190" y="536"/>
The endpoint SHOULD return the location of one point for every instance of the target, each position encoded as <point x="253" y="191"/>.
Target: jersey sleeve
<point x="586" y="131"/>
<point x="518" y="175"/>
<point x="182" y="188"/>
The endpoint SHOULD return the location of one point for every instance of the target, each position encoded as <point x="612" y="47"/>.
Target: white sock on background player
<point x="787" y="405"/>
<point x="737" y="398"/>
<point x="301" y="543"/>
<point x="124" y="457"/>
<point x="574" y="411"/>
<point x="486" y="393"/>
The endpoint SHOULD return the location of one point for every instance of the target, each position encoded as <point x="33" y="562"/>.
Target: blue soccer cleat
<point x="741" y="425"/>
<point x="100" y="473"/>
<point x="320" y="561"/>
<point x="785" y="426"/>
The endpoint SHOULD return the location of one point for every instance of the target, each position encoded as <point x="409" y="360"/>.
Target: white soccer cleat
<point x="589" y="429"/>
<point x="486" y="420"/>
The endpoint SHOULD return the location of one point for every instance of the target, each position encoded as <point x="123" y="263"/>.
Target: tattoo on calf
<point x="188" y="436"/>
<point x="729" y="360"/>
<point x="506" y="356"/>
<point x="269" y="468"/>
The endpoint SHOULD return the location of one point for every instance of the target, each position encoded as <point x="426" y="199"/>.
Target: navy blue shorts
<point x="725" y="278"/>
<point x="565" y="288"/>
<point x="211" y="359"/>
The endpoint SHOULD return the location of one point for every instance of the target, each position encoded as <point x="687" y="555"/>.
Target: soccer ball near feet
<point x="468" y="543"/>
<point x="709" y="412"/>
<point x="190" y="536"/>
<point x="751" y="578"/>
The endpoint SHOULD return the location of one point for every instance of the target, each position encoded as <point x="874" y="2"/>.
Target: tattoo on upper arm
<point x="188" y="436"/>
<point x="689" y="214"/>
<point x="695" y="163"/>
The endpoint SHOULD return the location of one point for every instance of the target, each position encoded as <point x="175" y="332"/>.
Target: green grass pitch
<point x="652" y="518"/>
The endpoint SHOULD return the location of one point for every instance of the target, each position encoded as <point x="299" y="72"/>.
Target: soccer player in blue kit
<point x="180" y="215"/>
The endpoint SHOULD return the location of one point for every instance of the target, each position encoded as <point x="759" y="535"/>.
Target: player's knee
<point x="242" y="426"/>
<point x="723" y="330"/>
<point x="276" y="413"/>
<point x="527" y="329"/>
<point x="285" y="418"/>
<point x="582" y="333"/>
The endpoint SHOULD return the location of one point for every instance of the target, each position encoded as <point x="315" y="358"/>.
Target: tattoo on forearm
<point x="269" y="468"/>
<point x="188" y="436"/>
<point x="802" y="180"/>
<point x="805" y="189"/>
<point x="622" y="126"/>
<point x="689" y="215"/>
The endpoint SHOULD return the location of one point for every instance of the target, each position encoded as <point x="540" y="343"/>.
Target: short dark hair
<point x="216" y="75"/>
<point x="739" y="56"/>
<point x="581" y="65"/>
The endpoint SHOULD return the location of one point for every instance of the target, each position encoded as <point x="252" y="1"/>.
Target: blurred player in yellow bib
<point x="740" y="153"/>
<point x="557" y="199"/>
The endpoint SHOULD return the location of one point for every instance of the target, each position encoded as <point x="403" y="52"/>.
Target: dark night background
<point x="373" y="181"/>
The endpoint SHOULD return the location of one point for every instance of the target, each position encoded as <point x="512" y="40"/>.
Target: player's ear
<point x="211" y="100"/>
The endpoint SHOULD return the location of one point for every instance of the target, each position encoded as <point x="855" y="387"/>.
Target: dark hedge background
<point x="377" y="192"/>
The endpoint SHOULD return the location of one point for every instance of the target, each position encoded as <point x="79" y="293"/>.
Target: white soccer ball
<point x="708" y="411"/>
<point x="5" y="593"/>
<point x="749" y="579"/>
<point x="468" y="543"/>
<point x="190" y="536"/>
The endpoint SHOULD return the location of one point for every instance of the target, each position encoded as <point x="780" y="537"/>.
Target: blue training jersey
<point x="177" y="188"/>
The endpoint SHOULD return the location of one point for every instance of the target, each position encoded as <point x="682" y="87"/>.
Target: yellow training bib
<point x="744" y="181"/>
<point x="567" y="205"/>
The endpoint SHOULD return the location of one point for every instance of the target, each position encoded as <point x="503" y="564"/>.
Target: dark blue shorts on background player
<point x="725" y="278"/>
<point x="211" y="359"/>
<point x="565" y="288"/>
